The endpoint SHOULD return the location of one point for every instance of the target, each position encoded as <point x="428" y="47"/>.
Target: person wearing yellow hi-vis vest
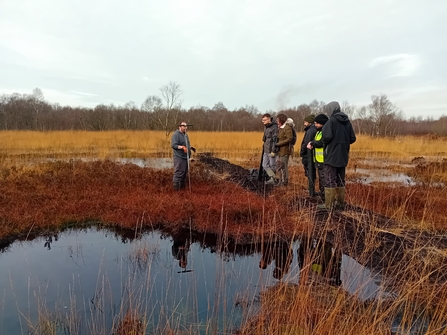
<point x="316" y="145"/>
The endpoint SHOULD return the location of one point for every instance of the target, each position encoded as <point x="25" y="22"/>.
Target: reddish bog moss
<point x="126" y="195"/>
<point x="415" y="203"/>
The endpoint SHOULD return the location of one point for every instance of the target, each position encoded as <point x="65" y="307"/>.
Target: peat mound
<point x="247" y="179"/>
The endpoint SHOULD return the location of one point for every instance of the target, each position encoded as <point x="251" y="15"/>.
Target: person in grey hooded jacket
<point x="338" y="135"/>
<point x="182" y="152"/>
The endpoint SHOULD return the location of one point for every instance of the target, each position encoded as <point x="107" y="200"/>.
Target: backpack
<point x="293" y="142"/>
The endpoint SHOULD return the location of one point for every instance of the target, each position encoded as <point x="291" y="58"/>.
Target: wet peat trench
<point x="359" y="233"/>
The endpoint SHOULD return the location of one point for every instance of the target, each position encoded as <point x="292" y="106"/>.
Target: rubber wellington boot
<point x="271" y="174"/>
<point x="340" y="198"/>
<point x="329" y="199"/>
<point x="176" y="186"/>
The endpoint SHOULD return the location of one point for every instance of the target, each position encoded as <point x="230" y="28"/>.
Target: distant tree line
<point x="31" y="112"/>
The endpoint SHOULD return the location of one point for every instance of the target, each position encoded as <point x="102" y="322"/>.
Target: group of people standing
<point x="277" y="148"/>
<point x="324" y="150"/>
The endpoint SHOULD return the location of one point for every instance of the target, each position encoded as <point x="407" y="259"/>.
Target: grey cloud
<point x="272" y="55"/>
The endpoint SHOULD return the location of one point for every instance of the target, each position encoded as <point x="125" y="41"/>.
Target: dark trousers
<point x="321" y="179"/>
<point x="180" y="170"/>
<point x="311" y="174"/>
<point x="334" y="176"/>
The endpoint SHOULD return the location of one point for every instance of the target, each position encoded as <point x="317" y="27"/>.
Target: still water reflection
<point x="186" y="281"/>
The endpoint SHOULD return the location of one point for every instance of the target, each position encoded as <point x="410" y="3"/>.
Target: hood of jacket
<point x="341" y="117"/>
<point x="273" y="123"/>
<point x="290" y="121"/>
<point x="333" y="109"/>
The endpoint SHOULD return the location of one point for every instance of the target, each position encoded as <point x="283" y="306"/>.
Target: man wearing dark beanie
<point x="338" y="135"/>
<point x="321" y="119"/>
<point x="306" y="154"/>
<point x="316" y="145"/>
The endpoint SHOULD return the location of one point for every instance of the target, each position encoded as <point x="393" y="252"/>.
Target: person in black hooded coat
<point x="338" y="135"/>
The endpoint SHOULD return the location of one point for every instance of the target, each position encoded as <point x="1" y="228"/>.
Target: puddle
<point x="368" y="176"/>
<point x="187" y="281"/>
<point x="154" y="163"/>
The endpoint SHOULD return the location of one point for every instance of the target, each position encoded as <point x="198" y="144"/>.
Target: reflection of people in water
<point x="281" y="253"/>
<point x="180" y="248"/>
<point x="324" y="261"/>
<point x="49" y="240"/>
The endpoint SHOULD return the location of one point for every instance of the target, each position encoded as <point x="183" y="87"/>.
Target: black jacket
<point x="338" y="135"/>
<point x="309" y="135"/>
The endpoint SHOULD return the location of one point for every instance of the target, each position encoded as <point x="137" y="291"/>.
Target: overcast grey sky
<point x="270" y="54"/>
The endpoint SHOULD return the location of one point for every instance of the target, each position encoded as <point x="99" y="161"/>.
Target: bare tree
<point x="165" y="117"/>
<point x="168" y="117"/>
<point x="38" y="103"/>
<point x="125" y="116"/>
<point x="151" y="104"/>
<point x="381" y="111"/>
<point x="171" y="94"/>
<point x="361" y="118"/>
<point x="316" y="107"/>
<point x="348" y="109"/>
<point x="220" y="111"/>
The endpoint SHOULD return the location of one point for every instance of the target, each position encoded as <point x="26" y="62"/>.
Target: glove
<point x="272" y="154"/>
<point x="185" y="149"/>
<point x="193" y="149"/>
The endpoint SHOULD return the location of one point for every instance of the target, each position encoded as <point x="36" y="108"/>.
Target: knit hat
<point x="310" y="118"/>
<point x="321" y="118"/>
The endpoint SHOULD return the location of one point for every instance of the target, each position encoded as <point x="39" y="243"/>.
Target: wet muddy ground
<point x="366" y="236"/>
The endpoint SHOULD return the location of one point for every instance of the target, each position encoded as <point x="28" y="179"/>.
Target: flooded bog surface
<point x="87" y="279"/>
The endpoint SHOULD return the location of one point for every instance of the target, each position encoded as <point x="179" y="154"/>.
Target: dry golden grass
<point x="400" y="147"/>
<point x="23" y="146"/>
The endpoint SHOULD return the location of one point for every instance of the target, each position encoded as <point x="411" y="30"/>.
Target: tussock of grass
<point x="130" y="324"/>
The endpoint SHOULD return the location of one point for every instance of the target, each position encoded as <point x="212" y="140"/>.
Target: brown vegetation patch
<point x="54" y="194"/>
<point x="420" y="206"/>
<point x="430" y="172"/>
<point x="418" y="160"/>
<point x="130" y="324"/>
